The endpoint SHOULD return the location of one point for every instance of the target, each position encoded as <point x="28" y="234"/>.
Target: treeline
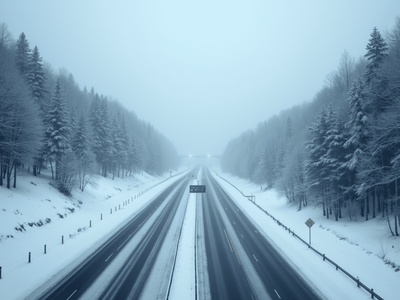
<point x="342" y="149"/>
<point x="47" y="121"/>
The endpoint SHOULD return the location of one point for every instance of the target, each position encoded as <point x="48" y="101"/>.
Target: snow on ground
<point x="358" y="247"/>
<point x="45" y="217"/>
<point x="183" y="283"/>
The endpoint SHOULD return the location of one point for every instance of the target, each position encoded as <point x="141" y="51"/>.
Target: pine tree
<point x="358" y="130"/>
<point x="95" y="123"/>
<point x="80" y="142"/>
<point x="333" y="160"/>
<point x="36" y="78"/>
<point x="124" y="141"/>
<point x="23" y="55"/>
<point x="85" y="158"/>
<point x="102" y="144"/>
<point x="58" y="131"/>
<point x="316" y="168"/>
<point x="376" y="52"/>
<point x="357" y="125"/>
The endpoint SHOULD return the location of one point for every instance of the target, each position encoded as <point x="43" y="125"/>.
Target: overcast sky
<point x="201" y="72"/>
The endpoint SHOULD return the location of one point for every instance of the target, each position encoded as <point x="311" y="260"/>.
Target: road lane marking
<point x="72" y="294"/>
<point x="277" y="294"/>
<point x="109" y="257"/>
<point x="234" y="249"/>
<point x="121" y="245"/>
<point x="242" y="236"/>
<point x="228" y="240"/>
<point x="255" y="258"/>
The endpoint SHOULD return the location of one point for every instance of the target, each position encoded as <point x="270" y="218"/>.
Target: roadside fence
<point x="85" y="227"/>
<point x="324" y="257"/>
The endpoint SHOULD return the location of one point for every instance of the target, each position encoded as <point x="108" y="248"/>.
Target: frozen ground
<point x="358" y="247"/>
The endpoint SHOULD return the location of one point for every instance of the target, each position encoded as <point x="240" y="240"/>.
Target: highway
<point x="233" y="259"/>
<point x="278" y="277"/>
<point x="128" y="282"/>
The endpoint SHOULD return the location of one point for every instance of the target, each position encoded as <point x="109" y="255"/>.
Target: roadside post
<point x="309" y="224"/>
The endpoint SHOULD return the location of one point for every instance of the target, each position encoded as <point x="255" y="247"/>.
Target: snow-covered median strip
<point x="183" y="283"/>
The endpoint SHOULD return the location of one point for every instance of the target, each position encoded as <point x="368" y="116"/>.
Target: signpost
<point x="310" y="224"/>
<point x="197" y="188"/>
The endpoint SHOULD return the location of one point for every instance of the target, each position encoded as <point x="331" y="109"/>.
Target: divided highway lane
<point x="129" y="281"/>
<point x="226" y="277"/>
<point x="80" y="279"/>
<point x="278" y="277"/>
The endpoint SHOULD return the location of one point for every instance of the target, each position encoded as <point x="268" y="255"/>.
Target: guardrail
<point x="324" y="257"/>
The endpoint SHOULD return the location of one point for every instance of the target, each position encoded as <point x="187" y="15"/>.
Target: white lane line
<point x="228" y="240"/>
<point x="234" y="222"/>
<point x="109" y="257"/>
<point x="255" y="258"/>
<point x="242" y="236"/>
<point x="277" y="294"/>
<point x="121" y="245"/>
<point x="71" y="295"/>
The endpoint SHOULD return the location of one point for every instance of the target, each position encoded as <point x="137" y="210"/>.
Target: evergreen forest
<point x="340" y="151"/>
<point x="48" y="122"/>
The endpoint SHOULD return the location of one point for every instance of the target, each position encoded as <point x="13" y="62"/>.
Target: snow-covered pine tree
<point x="36" y="78"/>
<point x="84" y="156"/>
<point x="125" y="143"/>
<point x="357" y="124"/>
<point x="358" y="134"/>
<point x="333" y="159"/>
<point x="376" y="52"/>
<point x="316" y="169"/>
<point x="116" y="147"/>
<point x="80" y="142"/>
<point x="95" y="123"/>
<point x="58" y="130"/>
<point x="105" y="134"/>
<point x="101" y="132"/>
<point x="22" y="57"/>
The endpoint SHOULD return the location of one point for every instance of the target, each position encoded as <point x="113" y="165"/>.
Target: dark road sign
<point x="310" y="223"/>
<point x="197" y="188"/>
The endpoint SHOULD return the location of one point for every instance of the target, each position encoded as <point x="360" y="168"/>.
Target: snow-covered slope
<point x="35" y="214"/>
<point x="365" y="249"/>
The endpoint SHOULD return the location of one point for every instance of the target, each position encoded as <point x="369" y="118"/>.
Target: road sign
<point x="310" y="223"/>
<point x="197" y="188"/>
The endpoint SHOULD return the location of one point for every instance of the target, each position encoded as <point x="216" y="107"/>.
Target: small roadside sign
<point x="310" y="223"/>
<point x="197" y="188"/>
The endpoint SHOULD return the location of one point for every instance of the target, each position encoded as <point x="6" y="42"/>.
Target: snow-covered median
<point x="183" y="281"/>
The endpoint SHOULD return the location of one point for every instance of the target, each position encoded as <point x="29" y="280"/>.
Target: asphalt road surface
<point x="228" y="279"/>
<point x="239" y="261"/>
<point x="129" y="281"/>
